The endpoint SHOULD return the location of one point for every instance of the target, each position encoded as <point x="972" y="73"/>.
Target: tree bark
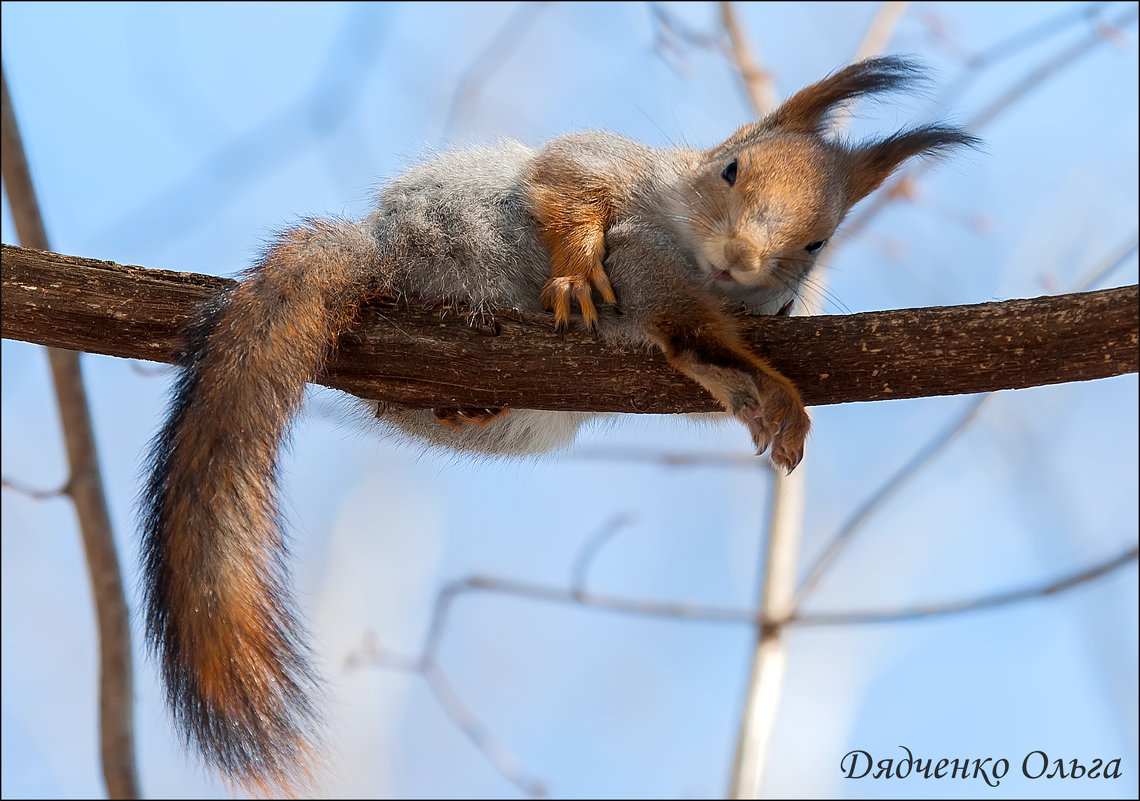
<point x="420" y="357"/>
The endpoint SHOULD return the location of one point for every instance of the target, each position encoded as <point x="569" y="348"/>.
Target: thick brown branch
<point x="415" y="357"/>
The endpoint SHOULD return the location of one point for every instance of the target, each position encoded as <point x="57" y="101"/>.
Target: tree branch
<point x="968" y="605"/>
<point x="759" y="88"/>
<point x="85" y="488"/>
<point x="416" y="357"/>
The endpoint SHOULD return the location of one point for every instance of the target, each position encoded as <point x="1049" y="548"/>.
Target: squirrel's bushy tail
<point x="219" y="614"/>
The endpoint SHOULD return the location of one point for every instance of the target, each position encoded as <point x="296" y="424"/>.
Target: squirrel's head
<point x="761" y="206"/>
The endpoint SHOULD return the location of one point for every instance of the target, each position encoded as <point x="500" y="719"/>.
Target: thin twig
<point x="707" y="613"/>
<point x="372" y="654"/>
<point x="881" y="29"/>
<point x="1098" y="274"/>
<point x="480" y="736"/>
<point x="887" y="492"/>
<point x="927" y="611"/>
<point x="677" y="610"/>
<point x="973" y="63"/>
<point x="757" y="83"/>
<point x="1047" y="70"/>
<point x="670" y="33"/>
<point x="487" y="61"/>
<point x="748" y="461"/>
<point x="589" y="551"/>
<point x="85" y="487"/>
<point x="1020" y="40"/>
<point x="35" y="494"/>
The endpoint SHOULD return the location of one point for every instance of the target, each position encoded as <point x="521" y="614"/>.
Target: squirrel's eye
<point x="729" y="173"/>
<point x="816" y="247"/>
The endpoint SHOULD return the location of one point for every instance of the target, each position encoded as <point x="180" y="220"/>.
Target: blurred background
<point x="182" y="136"/>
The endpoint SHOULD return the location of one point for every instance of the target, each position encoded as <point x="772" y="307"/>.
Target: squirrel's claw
<point x="561" y="292"/>
<point x="781" y="422"/>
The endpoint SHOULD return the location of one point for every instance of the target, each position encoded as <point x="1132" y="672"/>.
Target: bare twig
<point x="994" y="601"/>
<point x="85" y="487"/>
<point x="593" y="546"/>
<point x="35" y="494"/>
<point x="881" y="29"/>
<point x="479" y="735"/>
<point x="705" y="613"/>
<point x="1123" y="254"/>
<point x="757" y="83"/>
<point x="1048" y="69"/>
<point x="974" y="62"/>
<point x="488" y="61"/>
<point x="671" y="33"/>
<point x="672" y="458"/>
<point x="680" y="30"/>
<point x="769" y="656"/>
<point x="1015" y="43"/>
<point x="887" y="492"/>
<point x="372" y="654"/>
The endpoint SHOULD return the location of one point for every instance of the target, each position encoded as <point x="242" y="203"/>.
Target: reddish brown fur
<point x="219" y="612"/>
<point x="573" y="209"/>
<point x="702" y="342"/>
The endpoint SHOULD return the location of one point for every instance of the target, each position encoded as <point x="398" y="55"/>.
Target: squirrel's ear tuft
<point x="807" y="110"/>
<point x="869" y="164"/>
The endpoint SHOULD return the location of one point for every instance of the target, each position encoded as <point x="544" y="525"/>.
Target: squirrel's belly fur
<point x="520" y="432"/>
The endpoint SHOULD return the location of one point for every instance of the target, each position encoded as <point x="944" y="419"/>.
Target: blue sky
<point x="181" y="136"/>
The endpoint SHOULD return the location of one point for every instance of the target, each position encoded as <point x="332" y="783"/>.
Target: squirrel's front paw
<point x="560" y="291"/>
<point x="779" y="420"/>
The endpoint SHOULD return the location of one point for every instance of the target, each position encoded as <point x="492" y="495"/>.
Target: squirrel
<point x="679" y="235"/>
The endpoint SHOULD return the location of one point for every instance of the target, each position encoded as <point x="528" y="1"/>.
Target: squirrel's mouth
<point x="716" y="272"/>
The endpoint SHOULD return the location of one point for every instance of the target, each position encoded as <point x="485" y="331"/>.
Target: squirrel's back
<point x="456" y="228"/>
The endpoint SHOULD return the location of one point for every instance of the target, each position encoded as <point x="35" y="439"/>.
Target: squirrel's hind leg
<point x="464" y="415"/>
<point x="704" y="345"/>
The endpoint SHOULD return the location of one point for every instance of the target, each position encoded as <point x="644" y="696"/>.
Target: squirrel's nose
<point x="741" y="254"/>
